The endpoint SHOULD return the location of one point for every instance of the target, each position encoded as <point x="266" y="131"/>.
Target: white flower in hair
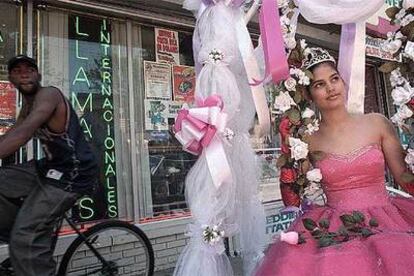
<point x="303" y="79"/>
<point x="303" y="44"/>
<point x="401" y="95"/>
<point x="290" y="84"/>
<point x="290" y="41"/>
<point x="282" y="3"/>
<point x="298" y="148"/>
<point x="392" y="46"/>
<point x="283" y="102"/>
<point x="307" y="113"/>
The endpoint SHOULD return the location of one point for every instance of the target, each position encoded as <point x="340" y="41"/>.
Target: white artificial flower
<point x="392" y="46"/>
<point x="406" y="4"/>
<point x="409" y="159"/>
<point x="284" y="29"/>
<point x="307" y="113"/>
<point x="298" y="149"/>
<point x="399" y="35"/>
<point x="290" y="41"/>
<point x="409" y="50"/>
<point x="290" y="84"/>
<point x="403" y="113"/>
<point x="314" y="175"/>
<point x="311" y="128"/>
<point x="401" y="95"/>
<point x="282" y="3"/>
<point x="284" y="20"/>
<point x="400" y="14"/>
<point x="311" y="189"/>
<point x="283" y="102"/>
<point x="396" y="78"/>
<point x="407" y="20"/>
<point x="303" y="79"/>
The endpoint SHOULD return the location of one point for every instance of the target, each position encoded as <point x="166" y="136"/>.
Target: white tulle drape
<point x="234" y="206"/>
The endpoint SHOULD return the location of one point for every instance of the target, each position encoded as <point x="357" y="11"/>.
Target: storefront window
<point x="167" y="81"/>
<point x="86" y="58"/>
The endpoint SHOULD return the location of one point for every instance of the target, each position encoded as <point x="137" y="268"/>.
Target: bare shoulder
<point x="380" y="122"/>
<point x="49" y="93"/>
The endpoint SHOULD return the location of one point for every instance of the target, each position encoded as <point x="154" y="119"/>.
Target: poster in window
<point x="156" y="115"/>
<point x="167" y="46"/>
<point x="184" y="81"/>
<point x="157" y="79"/>
<point x="7" y="106"/>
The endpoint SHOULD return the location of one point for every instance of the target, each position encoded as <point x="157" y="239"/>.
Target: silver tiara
<point x="315" y="56"/>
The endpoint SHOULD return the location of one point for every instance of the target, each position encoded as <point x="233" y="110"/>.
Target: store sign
<point x="90" y="63"/>
<point x="374" y="49"/>
<point x="166" y="46"/>
<point x="279" y="221"/>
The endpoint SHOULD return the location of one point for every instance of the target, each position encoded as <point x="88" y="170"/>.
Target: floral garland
<point x="401" y="42"/>
<point x="297" y="120"/>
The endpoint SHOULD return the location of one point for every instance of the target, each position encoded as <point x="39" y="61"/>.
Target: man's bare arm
<point x="44" y="106"/>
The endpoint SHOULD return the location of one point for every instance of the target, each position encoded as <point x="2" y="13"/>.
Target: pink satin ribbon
<point x="273" y="45"/>
<point x="196" y="130"/>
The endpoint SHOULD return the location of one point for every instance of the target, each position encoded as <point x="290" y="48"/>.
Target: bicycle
<point x="108" y="248"/>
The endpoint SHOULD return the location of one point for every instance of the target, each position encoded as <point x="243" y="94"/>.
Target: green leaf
<point x="324" y="223"/>
<point x="294" y="115"/>
<point x="347" y="220"/>
<point x="325" y="241"/>
<point x="309" y="224"/>
<point x="343" y="231"/>
<point x="388" y="67"/>
<point x="366" y="232"/>
<point x="358" y="216"/>
<point x="281" y="161"/>
<point x="407" y="177"/>
<point x="391" y="12"/>
<point x="309" y="74"/>
<point x="406" y="30"/>
<point x="301" y="239"/>
<point x="373" y="222"/>
<point x="292" y="5"/>
<point x="316" y="233"/>
<point x="297" y="97"/>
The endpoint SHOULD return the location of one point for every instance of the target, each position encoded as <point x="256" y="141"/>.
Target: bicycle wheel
<point x="124" y="247"/>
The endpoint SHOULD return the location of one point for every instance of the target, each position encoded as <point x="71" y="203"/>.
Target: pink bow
<point x="273" y="45"/>
<point x="195" y="127"/>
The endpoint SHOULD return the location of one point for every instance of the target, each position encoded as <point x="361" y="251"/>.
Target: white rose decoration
<point x="282" y="3"/>
<point x="409" y="159"/>
<point x="290" y="42"/>
<point x="407" y="20"/>
<point x="404" y="112"/>
<point x="400" y="14"/>
<point x="401" y="95"/>
<point x="392" y="46"/>
<point x="283" y="102"/>
<point x="298" y="149"/>
<point x="311" y="128"/>
<point x="396" y="78"/>
<point x="409" y="50"/>
<point x="314" y="175"/>
<point x="290" y="84"/>
<point x="308" y="113"/>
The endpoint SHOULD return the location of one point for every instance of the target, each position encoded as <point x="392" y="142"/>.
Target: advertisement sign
<point x="7" y="106"/>
<point x="157" y="80"/>
<point x="184" y="81"/>
<point x="166" y="46"/>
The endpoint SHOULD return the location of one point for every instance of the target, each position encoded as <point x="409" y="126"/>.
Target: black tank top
<point x="69" y="158"/>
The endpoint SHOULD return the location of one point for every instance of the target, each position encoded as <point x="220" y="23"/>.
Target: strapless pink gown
<point x="351" y="182"/>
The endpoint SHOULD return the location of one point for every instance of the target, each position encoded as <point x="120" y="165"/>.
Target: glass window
<point x="164" y="64"/>
<point x="86" y="57"/>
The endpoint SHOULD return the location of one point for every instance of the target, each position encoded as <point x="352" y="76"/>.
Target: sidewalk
<point x="235" y="262"/>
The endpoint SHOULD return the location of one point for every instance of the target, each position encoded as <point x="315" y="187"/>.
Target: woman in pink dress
<point x="356" y="148"/>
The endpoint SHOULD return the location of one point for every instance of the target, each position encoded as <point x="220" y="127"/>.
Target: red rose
<point x="289" y="197"/>
<point x="284" y="127"/>
<point x="411" y="103"/>
<point x="287" y="175"/>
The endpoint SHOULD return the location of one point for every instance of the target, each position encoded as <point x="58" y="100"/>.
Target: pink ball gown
<point x="353" y="181"/>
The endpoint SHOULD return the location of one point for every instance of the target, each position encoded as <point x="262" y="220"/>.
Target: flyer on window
<point x="184" y="81"/>
<point x="7" y="106"/>
<point x="156" y="114"/>
<point x="167" y="46"/>
<point x="157" y="79"/>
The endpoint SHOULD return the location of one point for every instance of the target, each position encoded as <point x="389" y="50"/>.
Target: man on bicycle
<point x="34" y="195"/>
